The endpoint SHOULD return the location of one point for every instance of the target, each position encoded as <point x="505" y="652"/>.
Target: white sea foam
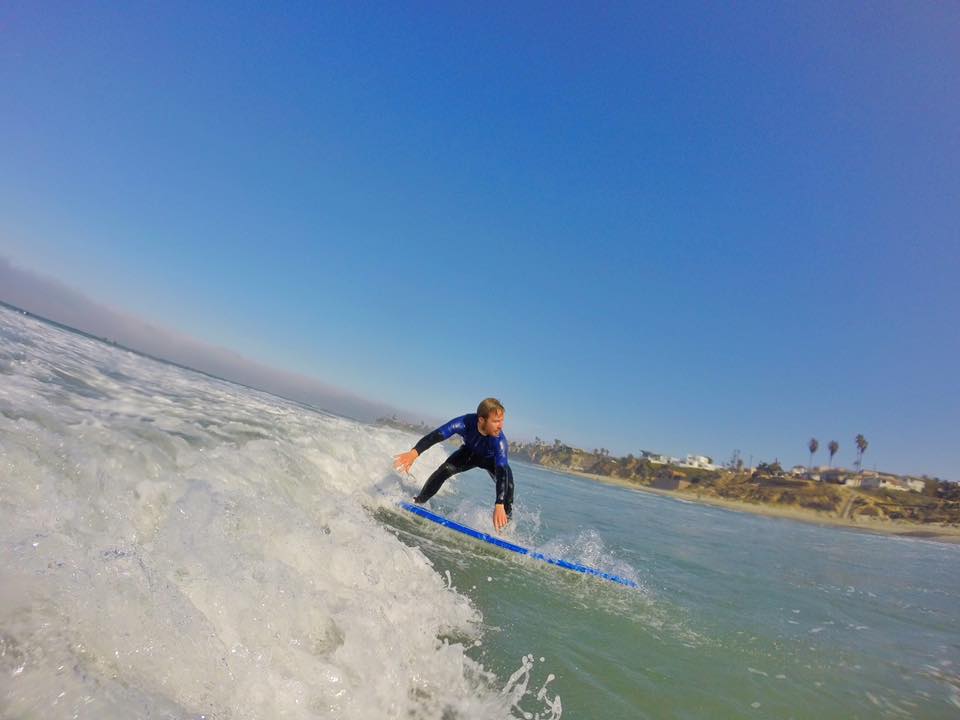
<point x="587" y="547"/>
<point x="175" y="545"/>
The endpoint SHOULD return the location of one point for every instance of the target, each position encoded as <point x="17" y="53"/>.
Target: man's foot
<point x="418" y="501"/>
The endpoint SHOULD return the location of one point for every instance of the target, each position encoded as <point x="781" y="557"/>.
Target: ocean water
<point x="176" y="546"/>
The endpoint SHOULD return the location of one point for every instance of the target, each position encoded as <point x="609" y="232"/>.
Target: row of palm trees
<point x="834" y="446"/>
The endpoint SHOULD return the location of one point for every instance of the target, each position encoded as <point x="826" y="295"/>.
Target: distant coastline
<point x="949" y="533"/>
<point x="932" y="514"/>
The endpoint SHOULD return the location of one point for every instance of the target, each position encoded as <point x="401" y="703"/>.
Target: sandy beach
<point x="940" y="533"/>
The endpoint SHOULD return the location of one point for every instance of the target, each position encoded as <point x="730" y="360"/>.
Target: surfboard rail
<point x="512" y="547"/>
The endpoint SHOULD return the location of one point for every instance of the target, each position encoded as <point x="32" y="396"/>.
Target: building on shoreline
<point x="864" y="482"/>
<point x="699" y="461"/>
<point x="902" y="484"/>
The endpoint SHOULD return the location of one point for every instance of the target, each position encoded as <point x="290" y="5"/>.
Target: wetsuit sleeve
<point x="502" y="473"/>
<point x="504" y="479"/>
<point x="500" y="451"/>
<point x="454" y="427"/>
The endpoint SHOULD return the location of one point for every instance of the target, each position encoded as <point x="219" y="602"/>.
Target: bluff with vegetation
<point x="639" y="470"/>
<point x="840" y="501"/>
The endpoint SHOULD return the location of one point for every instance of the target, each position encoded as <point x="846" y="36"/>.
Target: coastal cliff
<point x="767" y="486"/>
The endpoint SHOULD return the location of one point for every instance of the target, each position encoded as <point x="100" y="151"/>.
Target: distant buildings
<point x="659" y="459"/>
<point x="692" y="461"/>
<point x="902" y="484"/>
<point x="809" y="473"/>
<point x="873" y="480"/>
<point x="699" y="461"/>
<point x="833" y="475"/>
<point x="865" y="481"/>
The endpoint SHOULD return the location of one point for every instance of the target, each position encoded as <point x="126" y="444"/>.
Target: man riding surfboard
<point x="484" y="446"/>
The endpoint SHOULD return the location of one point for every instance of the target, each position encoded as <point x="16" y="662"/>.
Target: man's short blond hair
<point x="489" y="405"/>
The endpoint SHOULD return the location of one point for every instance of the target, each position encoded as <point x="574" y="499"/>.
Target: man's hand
<point x="499" y="516"/>
<point x="404" y="461"/>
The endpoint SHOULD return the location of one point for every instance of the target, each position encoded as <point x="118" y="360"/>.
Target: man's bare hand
<point x="499" y="517"/>
<point x="404" y="461"/>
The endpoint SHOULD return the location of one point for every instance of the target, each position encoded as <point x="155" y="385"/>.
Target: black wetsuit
<point x="482" y="451"/>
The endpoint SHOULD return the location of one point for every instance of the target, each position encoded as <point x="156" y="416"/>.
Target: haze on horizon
<point x="687" y="229"/>
<point x="50" y="299"/>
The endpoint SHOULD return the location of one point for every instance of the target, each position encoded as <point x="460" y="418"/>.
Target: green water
<point x="736" y="615"/>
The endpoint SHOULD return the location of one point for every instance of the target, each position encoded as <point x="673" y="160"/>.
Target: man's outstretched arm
<point x="404" y="461"/>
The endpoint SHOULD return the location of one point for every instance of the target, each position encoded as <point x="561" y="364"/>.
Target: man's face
<point x="492" y="424"/>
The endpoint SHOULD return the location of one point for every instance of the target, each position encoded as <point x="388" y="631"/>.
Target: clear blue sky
<point x="679" y="227"/>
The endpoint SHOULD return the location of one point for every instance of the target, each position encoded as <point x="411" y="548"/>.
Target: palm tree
<point x="833" y="447"/>
<point x="861" y="449"/>
<point x="813" y="445"/>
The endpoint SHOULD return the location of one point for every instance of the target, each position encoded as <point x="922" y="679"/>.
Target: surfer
<point x="484" y="446"/>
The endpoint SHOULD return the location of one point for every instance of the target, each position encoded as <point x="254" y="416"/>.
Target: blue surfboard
<point x="519" y="549"/>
